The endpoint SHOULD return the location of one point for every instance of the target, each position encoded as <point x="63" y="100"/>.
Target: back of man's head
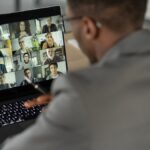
<point x="114" y="14"/>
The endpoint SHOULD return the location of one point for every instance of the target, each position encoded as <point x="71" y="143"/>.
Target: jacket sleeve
<point x="57" y="128"/>
<point x="44" y="29"/>
<point x="55" y="28"/>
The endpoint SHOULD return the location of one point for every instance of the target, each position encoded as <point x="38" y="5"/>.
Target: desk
<point x="76" y="59"/>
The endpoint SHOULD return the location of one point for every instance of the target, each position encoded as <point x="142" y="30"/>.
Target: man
<point x="27" y="74"/>
<point x="49" y="27"/>
<point x="51" y="56"/>
<point x="54" y="73"/>
<point x="106" y="106"/>
<point x="27" y="63"/>
<point x="23" y="48"/>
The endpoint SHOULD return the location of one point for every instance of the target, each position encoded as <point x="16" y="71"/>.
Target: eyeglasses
<point x="21" y="42"/>
<point x="49" y="37"/>
<point x="51" y="51"/>
<point x="69" y="19"/>
<point x="28" y="72"/>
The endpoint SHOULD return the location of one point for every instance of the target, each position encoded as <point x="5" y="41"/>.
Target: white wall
<point x="148" y="11"/>
<point x="7" y="6"/>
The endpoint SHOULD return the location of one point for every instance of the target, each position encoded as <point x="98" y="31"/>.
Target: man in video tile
<point x="27" y="74"/>
<point x="23" y="48"/>
<point x="27" y="63"/>
<point x="49" y="27"/>
<point x="51" y="56"/>
<point x="54" y="73"/>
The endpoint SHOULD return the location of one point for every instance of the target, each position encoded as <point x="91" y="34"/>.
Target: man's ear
<point x="90" y="29"/>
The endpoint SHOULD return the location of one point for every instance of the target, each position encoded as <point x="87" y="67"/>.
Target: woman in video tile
<point x="49" y="42"/>
<point x="49" y="27"/>
<point x="23" y="29"/>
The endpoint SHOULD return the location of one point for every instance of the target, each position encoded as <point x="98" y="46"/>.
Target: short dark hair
<point x="49" y="18"/>
<point x="25" y="54"/>
<point x="20" y="38"/>
<point x="53" y="63"/>
<point x="26" y="70"/>
<point x="115" y="14"/>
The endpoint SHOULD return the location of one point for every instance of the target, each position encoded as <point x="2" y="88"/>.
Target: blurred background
<point x="76" y="59"/>
<point x="8" y="6"/>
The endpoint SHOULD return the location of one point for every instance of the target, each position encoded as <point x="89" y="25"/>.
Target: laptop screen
<point x="31" y="48"/>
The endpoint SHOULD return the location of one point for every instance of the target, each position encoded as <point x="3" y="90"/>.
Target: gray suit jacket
<point x="104" y="107"/>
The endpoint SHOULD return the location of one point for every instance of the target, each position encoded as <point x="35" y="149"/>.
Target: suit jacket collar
<point x="136" y="43"/>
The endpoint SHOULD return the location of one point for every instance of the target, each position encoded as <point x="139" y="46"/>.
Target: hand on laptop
<point x="41" y="100"/>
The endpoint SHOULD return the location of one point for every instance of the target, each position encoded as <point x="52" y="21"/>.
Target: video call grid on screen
<point x="32" y="48"/>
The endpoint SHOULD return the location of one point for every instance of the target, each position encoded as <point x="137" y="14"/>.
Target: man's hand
<point x="41" y="100"/>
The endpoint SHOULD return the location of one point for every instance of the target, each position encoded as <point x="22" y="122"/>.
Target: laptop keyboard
<point x="15" y="112"/>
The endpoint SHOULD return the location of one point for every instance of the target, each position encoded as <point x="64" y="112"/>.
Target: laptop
<point x="32" y="52"/>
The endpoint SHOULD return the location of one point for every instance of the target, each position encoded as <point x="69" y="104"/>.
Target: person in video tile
<point x="2" y="66"/>
<point x="49" y="27"/>
<point x="1" y="54"/>
<point x="51" y="56"/>
<point x="27" y="63"/>
<point x="49" y="42"/>
<point x="3" y="85"/>
<point x="27" y="74"/>
<point x="23" y="29"/>
<point x="23" y="48"/>
<point x="54" y="73"/>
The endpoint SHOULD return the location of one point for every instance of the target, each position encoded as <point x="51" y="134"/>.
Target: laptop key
<point x="16" y="112"/>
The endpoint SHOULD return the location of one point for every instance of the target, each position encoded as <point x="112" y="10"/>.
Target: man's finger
<point x="42" y="100"/>
<point x="30" y="103"/>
